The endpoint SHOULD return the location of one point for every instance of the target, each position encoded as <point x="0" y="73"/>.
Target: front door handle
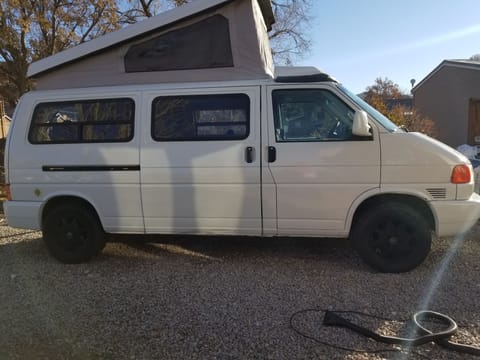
<point x="249" y="154"/>
<point x="272" y="154"/>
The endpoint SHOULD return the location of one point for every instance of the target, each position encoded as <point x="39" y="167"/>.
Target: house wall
<point x="250" y="49"/>
<point x="444" y="98"/>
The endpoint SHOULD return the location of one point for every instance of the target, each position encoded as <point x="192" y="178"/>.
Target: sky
<point x="358" y="41"/>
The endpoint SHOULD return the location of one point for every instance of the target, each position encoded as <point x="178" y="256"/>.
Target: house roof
<point x="163" y="20"/>
<point x="459" y="63"/>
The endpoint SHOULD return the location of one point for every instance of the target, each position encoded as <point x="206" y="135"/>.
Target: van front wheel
<point x="392" y="237"/>
<point x="72" y="233"/>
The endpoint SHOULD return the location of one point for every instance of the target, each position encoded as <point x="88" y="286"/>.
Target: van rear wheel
<point x="392" y="237"/>
<point x="72" y="233"/>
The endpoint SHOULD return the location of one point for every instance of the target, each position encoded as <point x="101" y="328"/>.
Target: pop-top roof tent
<point x="201" y="41"/>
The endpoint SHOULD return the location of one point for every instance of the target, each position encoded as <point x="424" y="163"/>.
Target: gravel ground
<point x="206" y="298"/>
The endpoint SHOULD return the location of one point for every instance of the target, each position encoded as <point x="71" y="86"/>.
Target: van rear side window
<point x="83" y="121"/>
<point x="201" y="117"/>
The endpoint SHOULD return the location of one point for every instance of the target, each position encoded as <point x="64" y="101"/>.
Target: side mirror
<point x="360" y="124"/>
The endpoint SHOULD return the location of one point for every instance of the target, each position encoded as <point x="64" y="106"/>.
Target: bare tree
<point x="136" y="10"/>
<point x="289" y="38"/>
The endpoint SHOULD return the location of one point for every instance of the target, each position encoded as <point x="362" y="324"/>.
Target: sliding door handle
<point x="249" y="154"/>
<point x="272" y="154"/>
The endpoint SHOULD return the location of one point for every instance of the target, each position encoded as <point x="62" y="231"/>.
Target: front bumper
<point x="457" y="216"/>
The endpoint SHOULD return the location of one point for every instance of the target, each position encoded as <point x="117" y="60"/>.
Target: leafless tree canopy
<point x="289" y="37"/>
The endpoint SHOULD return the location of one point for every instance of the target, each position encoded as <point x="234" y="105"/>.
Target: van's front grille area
<point x="438" y="193"/>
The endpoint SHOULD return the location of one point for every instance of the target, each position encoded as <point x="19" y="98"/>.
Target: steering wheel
<point x="338" y="131"/>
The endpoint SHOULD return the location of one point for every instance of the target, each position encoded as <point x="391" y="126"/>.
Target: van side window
<point x="201" y="117"/>
<point x="311" y="115"/>
<point x="83" y="121"/>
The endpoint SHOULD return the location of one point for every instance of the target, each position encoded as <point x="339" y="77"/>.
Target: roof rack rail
<point x="301" y="74"/>
<point x="304" y="78"/>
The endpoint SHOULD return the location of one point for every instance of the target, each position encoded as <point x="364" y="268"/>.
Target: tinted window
<point x="201" y="117"/>
<point x="82" y="121"/>
<point x="311" y="115"/>
<point x="204" y="44"/>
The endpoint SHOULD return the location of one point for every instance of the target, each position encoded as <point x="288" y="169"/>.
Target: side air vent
<point x="438" y="193"/>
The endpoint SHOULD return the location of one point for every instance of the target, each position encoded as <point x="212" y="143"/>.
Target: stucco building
<point x="450" y="96"/>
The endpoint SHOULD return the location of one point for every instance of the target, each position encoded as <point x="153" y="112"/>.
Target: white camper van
<point x="180" y="125"/>
<point x="294" y="156"/>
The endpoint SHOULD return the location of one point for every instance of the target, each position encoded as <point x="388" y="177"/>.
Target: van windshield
<point x="378" y="116"/>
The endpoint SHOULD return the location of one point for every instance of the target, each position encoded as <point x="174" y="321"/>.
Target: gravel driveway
<point x="204" y="298"/>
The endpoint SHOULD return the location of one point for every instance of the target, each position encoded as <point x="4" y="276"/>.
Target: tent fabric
<point x="239" y="50"/>
<point x="202" y="45"/>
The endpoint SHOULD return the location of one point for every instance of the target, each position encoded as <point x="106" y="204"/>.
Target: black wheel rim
<point x="392" y="240"/>
<point x="72" y="234"/>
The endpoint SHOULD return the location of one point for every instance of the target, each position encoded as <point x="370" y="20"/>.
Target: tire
<point x="392" y="237"/>
<point x="72" y="233"/>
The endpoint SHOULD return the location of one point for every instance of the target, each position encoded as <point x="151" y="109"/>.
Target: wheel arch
<point x="419" y="204"/>
<point x="69" y="199"/>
